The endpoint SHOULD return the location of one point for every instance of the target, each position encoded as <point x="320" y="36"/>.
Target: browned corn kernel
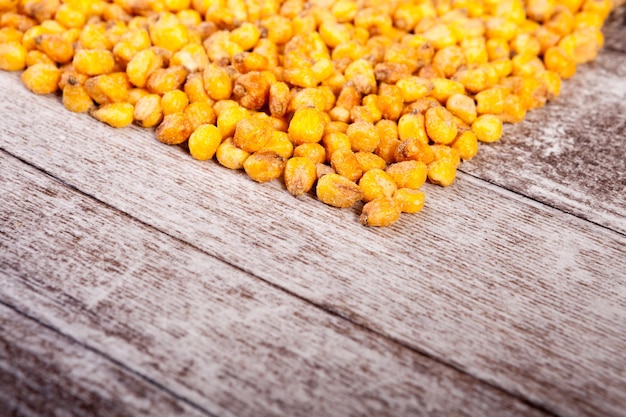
<point x="413" y="149"/>
<point x="338" y="191"/>
<point x="142" y="65"/>
<point x="163" y="80"/>
<point x="194" y="88"/>
<point x="371" y="106"/>
<point x="93" y="61"/>
<point x="408" y="174"/>
<point x="174" y="129"/>
<point x="490" y="101"/>
<point x="390" y="101"/>
<point x="279" y="97"/>
<point x="376" y="183"/>
<point x="321" y="98"/>
<point x="361" y="74"/>
<point x="363" y="136"/>
<point x="280" y="143"/>
<point x="230" y="155"/>
<point x="514" y="109"/>
<point x="466" y="144"/>
<point x="37" y="57"/>
<point x="148" y="111"/>
<point x="334" y="141"/>
<point x="380" y="212"/>
<point x="314" y="151"/>
<point x="442" y="172"/>
<point x="252" y="133"/>
<point x="443" y="88"/>
<point x="108" y="88"/>
<point x="55" y="47"/>
<point x="228" y="118"/>
<point x="306" y="126"/>
<point x="440" y="125"/>
<point x="413" y="88"/>
<point x="114" y="114"/>
<point x="449" y="59"/>
<point x="300" y="175"/>
<point x="557" y="60"/>
<point x="345" y="163"/>
<point x="167" y="32"/>
<point x="12" y="56"/>
<point x="200" y="113"/>
<point x="369" y="161"/>
<point x="463" y="107"/>
<point x="487" y="128"/>
<point x="251" y="90"/>
<point x="388" y="140"/>
<point x="204" y="141"/>
<point x="174" y="101"/>
<point x="409" y="200"/>
<point x="552" y="82"/>
<point x="41" y="78"/>
<point x="40" y="9"/>
<point x="76" y="99"/>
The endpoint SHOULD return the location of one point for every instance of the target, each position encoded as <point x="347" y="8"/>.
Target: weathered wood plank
<point x="210" y="333"/>
<point x="569" y="154"/>
<point x="513" y="292"/>
<point x="43" y="373"/>
<point x="614" y="32"/>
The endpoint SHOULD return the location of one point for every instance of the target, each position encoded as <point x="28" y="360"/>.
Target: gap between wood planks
<point x="326" y="308"/>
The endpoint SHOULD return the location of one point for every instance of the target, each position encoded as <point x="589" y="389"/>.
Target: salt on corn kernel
<point x="487" y="128"/>
<point x="251" y="134"/>
<point x="174" y="129"/>
<point x="114" y="114"/>
<point x="306" y="126"/>
<point x="148" y="111"/>
<point x="409" y="200"/>
<point x="376" y="183"/>
<point x="381" y="212"/>
<point x="300" y="175"/>
<point x="41" y="78"/>
<point x="338" y="191"/>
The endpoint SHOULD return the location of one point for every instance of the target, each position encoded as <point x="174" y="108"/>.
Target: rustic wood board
<point x="474" y="281"/>
<point x="219" y="340"/>
<point x="613" y="30"/>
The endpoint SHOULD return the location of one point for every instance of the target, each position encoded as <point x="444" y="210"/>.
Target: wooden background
<point x="137" y="281"/>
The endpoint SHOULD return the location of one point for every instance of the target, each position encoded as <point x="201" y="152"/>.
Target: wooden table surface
<point x="136" y="281"/>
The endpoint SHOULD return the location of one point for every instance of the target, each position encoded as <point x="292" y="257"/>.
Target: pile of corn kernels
<point x="355" y="100"/>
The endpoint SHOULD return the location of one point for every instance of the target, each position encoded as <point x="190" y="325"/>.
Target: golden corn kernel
<point x="41" y="78"/>
<point x="251" y="90"/>
<point x="230" y="155"/>
<point x="168" y="33"/>
<point x="94" y="61"/>
<point x="557" y="60"/>
<point x="442" y="172"/>
<point x="376" y="183"/>
<point x="314" y="151"/>
<point x="246" y="35"/>
<point x="380" y="212"/>
<point x="279" y="97"/>
<point x="413" y="88"/>
<point x="217" y="82"/>
<point x="200" y="113"/>
<point x="445" y="152"/>
<point x="142" y="65"/>
<point x="413" y="149"/>
<point x="449" y="59"/>
<point x="280" y="144"/>
<point x="369" y="161"/>
<point x="108" y="88"/>
<point x="334" y="141"/>
<point x="463" y="107"/>
<point x="194" y="88"/>
<point x="204" y="141"/>
<point x="174" y="129"/>
<point x="487" y="128"/>
<point x="300" y="175"/>
<point x="163" y="80"/>
<point x="490" y="101"/>
<point x="409" y="200"/>
<point x="76" y="99"/>
<point x="12" y="56"/>
<point x="552" y="82"/>
<point x="9" y="34"/>
<point x="306" y="126"/>
<point x="408" y="174"/>
<point x="466" y="144"/>
<point x="363" y="136"/>
<point x="514" y="109"/>
<point x="440" y="125"/>
<point x="388" y="140"/>
<point x="338" y="191"/>
<point x="228" y="118"/>
<point x="40" y="10"/>
<point x="345" y="163"/>
<point x="148" y="112"/>
<point x="131" y="43"/>
<point x="114" y="114"/>
<point x="443" y="88"/>
<point x="264" y="166"/>
<point x="174" y="101"/>
<point x="361" y="74"/>
<point x="252" y="134"/>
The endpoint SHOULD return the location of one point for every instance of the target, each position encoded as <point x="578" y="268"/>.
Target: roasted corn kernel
<point x="114" y="114"/>
<point x="300" y="175"/>
<point x="381" y="212"/>
<point x="338" y="191"/>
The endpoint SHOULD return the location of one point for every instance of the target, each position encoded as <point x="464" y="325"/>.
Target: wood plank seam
<point x="326" y="308"/>
<point x="543" y="203"/>
<point x="106" y="357"/>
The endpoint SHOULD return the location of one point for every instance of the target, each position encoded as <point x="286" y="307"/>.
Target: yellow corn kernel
<point x="487" y="128"/>
<point x="345" y="163"/>
<point x="217" y="82"/>
<point x="280" y="144"/>
<point x="557" y="60"/>
<point x="463" y="107"/>
<point x="370" y="103"/>
<point x="252" y="133"/>
<point x="12" y="56"/>
<point x="413" y="88"/>
<point x="497" y="48"/>
<point x="525" y="43"/>
<point x="108" y="88"/>
<point x="314" y="151"/>
<point x="94" y="61"/>
<point x="300" y="175"/>
<point x="449" y="59"/>
<point x="334" y="141"/>
<point x="442" y="172"/>
<point x="527" y="65"/>
<point x="440" y="125"/>
<point x="204" y="141"/>
<point x="93" y="36"/>
<point x="174" y="101"/>
<point x="41" y="78"/>
<point x="230" y="155"/>
<point x="361" y="74"/>
<point x="448" y="153"/>
<point x="142" y="65"/>
<point x="177" y="5"/>
<point x="9" y="34"/>
<point x="264" y="166"/>
<point x="344" y="10"/>
<point x="130" y="43"/>
<point x="514" y="109"/>
<point x="148" y="111"/>
<point x="278" y="28"/>
<point x="251" y="90"/>
<point x="279" y="97"/>
<point x="409" y="200"/>
<point x="306" y="126"/>
<point x="413" y="149"/>
<point x="228" y="118"/>
<point x="466" y="144"/>
<point x="369" y="161"/>
<point x="194" y="88"/>
<point x="246" y="35"/>
<point x="174" y="129"/>
<point x="114" y="114"/>
<point x="490" y="101"/>
<point x="76" y="99"/>
<point x="376" y="183"/>
<point x="163" y="80"/>
<point x="408" y="174"/>
<point x="552" y="82"/>
<point x="444" y="88"/>
<point x="68" y="75"/>
<point x="168" y="33"/>
<point x="40" y="10"/>
<point x="338" y="191"/>
<point x="363" y="136"/>
<point x="200" y="113"/>
<point x="380" y="212"/>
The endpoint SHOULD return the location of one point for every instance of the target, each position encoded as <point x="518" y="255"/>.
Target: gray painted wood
<point x="614" y="30"/>
<point x="206" y="332"/>
<point x="514" y="293"/>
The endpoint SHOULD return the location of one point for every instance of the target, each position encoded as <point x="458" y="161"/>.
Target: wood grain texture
<point x="226" y="342"/>
<point x="570" y="154"/>
<point x="615" y="30"/>
<point x="45" y="373"/>
<point x="515" y="293"/>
